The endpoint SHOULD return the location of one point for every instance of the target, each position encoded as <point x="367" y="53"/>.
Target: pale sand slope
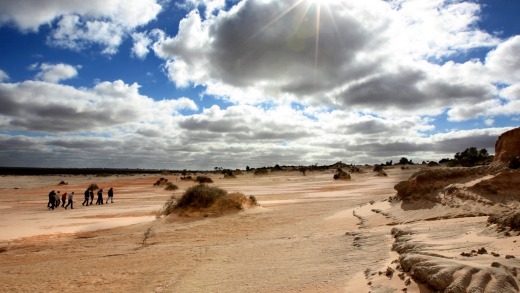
<point x="311" y="234"/>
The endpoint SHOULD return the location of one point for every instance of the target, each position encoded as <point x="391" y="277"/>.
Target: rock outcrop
<point x="507" y="147"/>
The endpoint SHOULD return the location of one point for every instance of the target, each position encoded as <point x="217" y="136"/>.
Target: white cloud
<point x="3" y="76"/>
<point x="141" y="43"/>
<point x="489" y="122"/>
<point x="119" y="121"/>
<point x="81" y="23"/>
<point x="504" y="61"/>
<point x="35" y="106"/>
<point x="369" y="56"/>
<point x="55" y="72"/>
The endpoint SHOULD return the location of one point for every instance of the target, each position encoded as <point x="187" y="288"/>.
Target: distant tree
<point x="471" y="157"/>
<point x="389" y="163"/>
<point x="247" y="168"/>
<point x="405" y="161"/>
<point x="445" y="160"/>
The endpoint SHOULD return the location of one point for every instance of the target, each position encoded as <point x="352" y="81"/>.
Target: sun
<point x="321" y="2"/>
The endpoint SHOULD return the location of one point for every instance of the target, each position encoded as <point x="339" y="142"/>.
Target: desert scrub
<point x="203" y="179"/>
<point x="160" y="182"/>
<point x="200" y="196"/>
<point x="261" y="172"/>
<point x="93" y="186"/>
<point x="341" y="175"/>
<point x="205" y="200"/>
<point x="170" y="186"/>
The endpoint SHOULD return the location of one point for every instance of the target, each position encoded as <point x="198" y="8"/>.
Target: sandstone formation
<point x="453" y="193"/>
<point x="507" y="146"/>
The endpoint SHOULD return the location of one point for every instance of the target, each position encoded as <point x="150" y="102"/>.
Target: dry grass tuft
<point x="206" y="201"/>
<point x="203" y="179"/>
<point x="170" y="186"/>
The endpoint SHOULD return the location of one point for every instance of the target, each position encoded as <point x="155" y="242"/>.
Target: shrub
<point x="206" y="200"/>
<point x="63" y="183"/>
<point x="378" y="168"/>
<point x="203" y="179"/>
<point x="93" y="186"/>
<point x="340" y="175"/>
<point x="200" y="196"/>
<point x="162" y="181"/>
<point x="171" y="186"/>
<point x="253" y="200"/>
<point x="261" y="172"/>
<point x="381" y="173"/>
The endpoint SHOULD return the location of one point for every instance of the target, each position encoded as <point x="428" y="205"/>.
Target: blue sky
<point x="204" y="83"/>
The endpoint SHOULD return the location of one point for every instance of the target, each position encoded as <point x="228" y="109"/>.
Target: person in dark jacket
<point x="91" y="194"/>
<point x="100" y="196"/>
<point x="86" y="197"/>
<point x="52" y="200"/>
<point x="110" y="195"/>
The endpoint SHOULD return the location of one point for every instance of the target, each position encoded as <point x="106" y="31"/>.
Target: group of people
<point x="89" y="195"/>
<point x="55" y="198"/>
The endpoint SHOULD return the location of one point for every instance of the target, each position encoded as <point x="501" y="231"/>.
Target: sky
<point x="199" y="84"/>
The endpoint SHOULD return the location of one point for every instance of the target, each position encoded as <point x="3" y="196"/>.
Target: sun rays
<point x="309" y="17"/>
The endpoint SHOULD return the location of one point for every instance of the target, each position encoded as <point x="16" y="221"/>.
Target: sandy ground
<point x="310" y="234"/>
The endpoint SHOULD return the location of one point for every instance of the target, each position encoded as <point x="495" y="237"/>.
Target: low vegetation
<point x="203" y="179"/>
<point x="170" y="186"/>
<point x="160" y="182"/>
<point x="93" y="186"/>
<point x="341" y="175"/>
<point x="261" y="172"/>
<point x="207" y="200"/>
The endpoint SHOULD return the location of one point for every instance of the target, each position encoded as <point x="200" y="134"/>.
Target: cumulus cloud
<point x="141" y="43"/>
<point x="35" y="106"/>
<point x="55" y="73"/>
<point x="3" y="76"/>
<point x="377" y="62"/>
<point x="127" y="129"/>
<point x="76" y="24"/>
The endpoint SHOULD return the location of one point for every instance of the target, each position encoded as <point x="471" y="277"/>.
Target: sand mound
<point x="453" y="274"/>
<point x="474" y="191"/>
<point x="509" y="220"/>
<point x="426" y="183"/>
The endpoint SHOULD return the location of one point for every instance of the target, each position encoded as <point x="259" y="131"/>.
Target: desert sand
<point x="310" y="234"/>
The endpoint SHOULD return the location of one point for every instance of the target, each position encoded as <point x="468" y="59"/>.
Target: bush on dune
<point x="170" y="186"/>
<point x="206" y="200"/>
<point x="203" y="179"/>
<point x="93" y="186"/>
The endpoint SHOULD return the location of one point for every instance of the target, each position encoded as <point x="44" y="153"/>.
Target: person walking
<point x="57" y="198"/>
<point x="52" y="200"/>
<point x="63" y="198"/>
<point x="91" y="194"/>
<point x="100" y="196"/>
<point x="70" y="202"/>
<point x="86" y="197"/>
<point x="110" y="195"/>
